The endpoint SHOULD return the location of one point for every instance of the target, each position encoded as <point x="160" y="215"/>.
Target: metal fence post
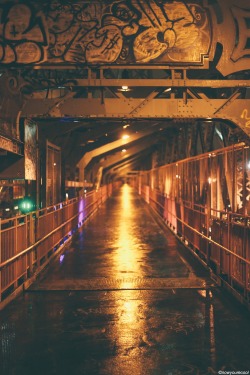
<point x="0" y="260"/>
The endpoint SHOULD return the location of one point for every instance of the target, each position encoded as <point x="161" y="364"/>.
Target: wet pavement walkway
<point x="124" y="298"/>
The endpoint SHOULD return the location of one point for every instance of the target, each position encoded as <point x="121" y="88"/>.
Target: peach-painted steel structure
<point x="215" y="225"/>
<point x="172" y="76"/>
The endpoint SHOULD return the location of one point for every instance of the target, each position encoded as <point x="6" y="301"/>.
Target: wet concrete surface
<point x="123" y="300"/>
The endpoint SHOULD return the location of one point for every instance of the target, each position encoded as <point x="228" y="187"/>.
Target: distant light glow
<point x="54" y="164"/>
<point x="26" y="205"/>
<point x="124" y="150"/>
<point x="81" y="211"/>
<point x="209" y="180"/>
<point x="7" y="209"/>
<point x="67" y="196"/>
<point x="248" y="165"/>
<point x="61" y="258"/>
<point x="126" y="126"/>
<point x="125" y="136"/>
<point x="168" y="89"/>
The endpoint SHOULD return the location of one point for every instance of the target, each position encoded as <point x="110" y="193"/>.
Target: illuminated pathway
<point x="123" y="300"/>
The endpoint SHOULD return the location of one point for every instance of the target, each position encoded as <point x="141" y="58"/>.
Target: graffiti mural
<point x="22" y="34"/>
<point x="106" y="32"/>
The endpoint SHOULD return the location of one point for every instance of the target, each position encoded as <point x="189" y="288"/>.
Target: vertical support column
<point x="15" y="251"/>
<point x="31" y="231"/>
<point x="208" y="206"/>
<point x="229" y="246"/>
<point x="0" y="260"/>
<point x="244" y="249"/>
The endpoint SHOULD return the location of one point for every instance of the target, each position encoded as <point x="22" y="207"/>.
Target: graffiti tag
<point x="244" y="116"/>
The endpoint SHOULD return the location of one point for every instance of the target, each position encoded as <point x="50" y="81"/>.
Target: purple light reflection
<point x="81" y="211"/>
<point x="61" y="258"/>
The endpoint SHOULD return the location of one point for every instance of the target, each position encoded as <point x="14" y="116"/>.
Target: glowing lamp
<point x="26" y="205"/>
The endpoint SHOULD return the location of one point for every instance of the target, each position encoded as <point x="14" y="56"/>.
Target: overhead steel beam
<point x="120" y="157"/>
<point x="126" y="163"/>
<point x="153" y="82"/>
<point x="121" y="170"/>
<point x="109" y="147"/>
<point x="232" y="109"/>
<point x="12" y="145"/>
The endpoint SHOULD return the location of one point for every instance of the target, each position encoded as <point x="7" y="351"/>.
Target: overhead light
<point x="209" y="119"/>
<point x="168" y="89"/>
<point x="125" y="136"/>
<point x="126" y="126"/>
<point x="124" y="88"/>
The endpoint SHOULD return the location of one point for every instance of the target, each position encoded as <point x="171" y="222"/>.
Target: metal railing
<point x="29" y="241"/>
<point x="222" y="243"/>
<point x="205" y="201"/>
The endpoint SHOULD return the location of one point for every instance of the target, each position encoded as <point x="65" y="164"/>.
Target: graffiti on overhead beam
<point x="105" y="32"/>
<point x="23" y="38"/>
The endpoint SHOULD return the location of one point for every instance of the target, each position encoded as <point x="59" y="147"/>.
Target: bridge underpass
<point x="154" y="94"/>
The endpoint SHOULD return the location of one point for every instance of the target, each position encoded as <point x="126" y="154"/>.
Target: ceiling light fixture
<point x="124" y="88"/>
<point x="125" y="136"/>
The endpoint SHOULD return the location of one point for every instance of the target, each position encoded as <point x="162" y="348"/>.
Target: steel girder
<point x="124" y="156"/>
<point x="232" y="109"/>
<point x="88" y="156"/>
<point x="120" y="158"/>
